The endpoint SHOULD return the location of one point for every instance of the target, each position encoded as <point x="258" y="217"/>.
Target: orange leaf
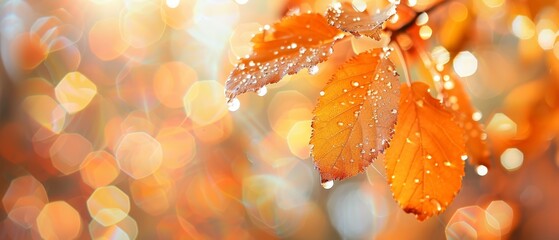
<point x="423" y="164"/>
<point x="345" y="17"/>
<point x="458" y="103"/>
<point x="294" y="43"/>
<point x="355" y="116"/>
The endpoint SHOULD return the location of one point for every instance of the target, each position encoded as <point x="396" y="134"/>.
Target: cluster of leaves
<point x="364" y="111"/>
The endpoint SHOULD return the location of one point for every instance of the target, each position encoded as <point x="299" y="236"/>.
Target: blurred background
<point x="114" y="124"/>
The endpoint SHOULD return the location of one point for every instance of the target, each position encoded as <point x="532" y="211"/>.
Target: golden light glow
<point x="139" y="155"/>
<point x="523" y="27"/>
<point x="171" y="82"/>
<point x="74" y="92"/>
<point x="69" y="151"/>
<point x="52" y="226"/>
<point x="105" y="40"/>
<point x="204" y="102"/>
<point x="425" y="32"/>
<point x="108" y="205"/>
<point x="501" y="125"/>
<point x="298" y="139"/>
<point x="46" y="112"/>
<point x="99" y="169"/>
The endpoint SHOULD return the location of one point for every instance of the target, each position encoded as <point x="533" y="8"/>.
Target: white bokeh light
<point x="172" y="3"/>
<point x="465" y="64"/>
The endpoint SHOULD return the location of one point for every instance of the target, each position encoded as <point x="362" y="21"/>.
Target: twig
<point x="412" y="21"/>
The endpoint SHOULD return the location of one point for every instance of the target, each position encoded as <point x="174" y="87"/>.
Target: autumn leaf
<point x="294" y="43"/>
<point x="355" y="116"/>
<point x="423" y="164"/>
<point x="345" y="17"/>
<point x="457" y="102"/>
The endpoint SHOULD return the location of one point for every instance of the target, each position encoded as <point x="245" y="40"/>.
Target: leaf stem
<point x="403" y="60"/>
<point x="428" y="63"/>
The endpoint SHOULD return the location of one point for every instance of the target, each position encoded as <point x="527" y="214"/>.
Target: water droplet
<point x="251" y="63"/>
<point x="437" y="205"/>
<point x="394" y="111"/>
<point x="262" y="91"/>
<point x="313" y="70"/>
<point x="419" y="103"/>
<point x="428" y="171"/>
<point x="234" y="105"/>
<point x="340" y="124"/>
<point x="447" y="163"/>
<point x="302" y="50"/>
<point x="294" y="45"/>
<point x="416" y="180"/>
<point x="464" y="157"/>
<point x="322" y="93"/>
<point x="355" y="84"/>
<point x="328" y="184"/>
<point x="393" y="177"/>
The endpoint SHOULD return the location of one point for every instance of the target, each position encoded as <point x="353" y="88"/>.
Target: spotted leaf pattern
<point x="294" y="43"/>
<point x="355" y="116"/>
<point x="424" y="163"/>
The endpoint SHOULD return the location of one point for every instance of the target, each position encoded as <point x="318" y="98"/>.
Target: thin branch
<point x="412" y="21"/>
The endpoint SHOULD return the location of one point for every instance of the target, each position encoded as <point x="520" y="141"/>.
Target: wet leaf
<point x="345" y="17"/>
<point x="355" y="116"/>
<point x="457" y="102"/>
<point x="294" y="43"/>
<point x="423" y="164"/>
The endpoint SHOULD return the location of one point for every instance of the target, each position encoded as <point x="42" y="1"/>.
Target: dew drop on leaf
<point x="437" y="204"/>
<point x="262" y="91"/>
<point x="234" y="105"/>
<point x="328" y="184"/>
<point x="313" y="70"/>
